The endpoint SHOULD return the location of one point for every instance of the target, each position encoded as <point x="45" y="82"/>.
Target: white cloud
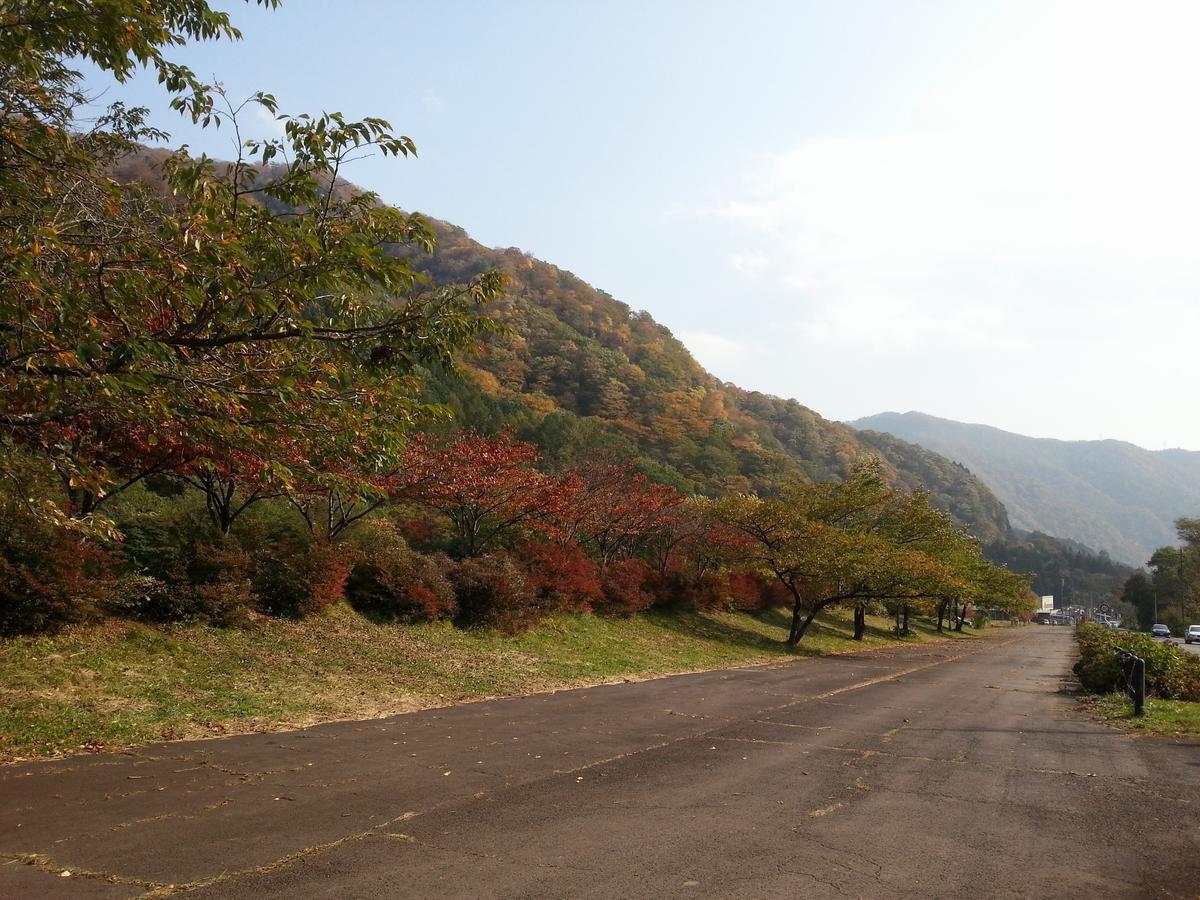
<point x="1052" y="184"/>
<point x="892" y="325"/>
<point x="749" y="262"/>
<point x="1033" y="230"/>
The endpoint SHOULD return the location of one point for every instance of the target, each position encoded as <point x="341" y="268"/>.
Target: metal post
<point x="1134" y="669"/>
<point x="1139" y="686"/>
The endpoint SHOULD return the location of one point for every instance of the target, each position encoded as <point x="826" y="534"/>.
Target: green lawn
<point x="1161" y="716"/>
<point x="121" y="684"/>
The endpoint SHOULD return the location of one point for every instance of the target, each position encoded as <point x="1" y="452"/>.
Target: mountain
<point x="579" y="372"/>
<point x="1108" y="495"/>
<point x="581" y="375"/>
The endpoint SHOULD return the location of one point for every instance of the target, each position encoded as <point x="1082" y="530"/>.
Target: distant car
<point x="1192" y="634"/>
<point x="1160" y="631"/>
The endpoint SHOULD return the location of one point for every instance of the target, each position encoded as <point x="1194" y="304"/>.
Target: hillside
<point x="580" y="372"/>
<point x="1109" y="495"/>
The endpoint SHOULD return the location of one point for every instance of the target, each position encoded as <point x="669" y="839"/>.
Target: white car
<point x="1192" y="634"/>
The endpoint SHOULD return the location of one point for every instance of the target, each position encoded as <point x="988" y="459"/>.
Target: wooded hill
<point x="580" y="375"/>
<point x="579" y="371"/>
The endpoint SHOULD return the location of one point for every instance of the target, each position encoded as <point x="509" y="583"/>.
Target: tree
<point x="1139" y="593"/>
<point x="614" y="509"/>
<point x="691" y="538"/>
<point x="1174" y="584"/>
<point x="487" y="487"/>
<point x="854" y="541"/>
<point x="249" y="306"/>
<point x="806" y="538"/>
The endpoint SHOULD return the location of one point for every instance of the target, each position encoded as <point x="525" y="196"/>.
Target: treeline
<point x="1072" y="573"/>
<point x="216" y="399"/>
<point x="469" y="528"/>
<point x="1168" y="590"/>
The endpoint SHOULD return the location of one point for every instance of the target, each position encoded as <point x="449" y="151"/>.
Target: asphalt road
<point x="1186" y="647"/>
<point x="949" y="770"/>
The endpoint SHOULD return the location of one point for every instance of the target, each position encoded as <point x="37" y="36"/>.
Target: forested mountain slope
<point x="579" y="370"/>
<point x="1109" y="495"/>
<point x="581" y="373"/>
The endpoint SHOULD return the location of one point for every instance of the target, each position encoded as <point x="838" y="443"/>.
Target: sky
<point x="987" y="211"/>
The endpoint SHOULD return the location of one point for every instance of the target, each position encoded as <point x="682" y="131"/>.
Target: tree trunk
<point x="896" y="627"/>
<point x="904" y="622"/>
<point x="962" y="617"/>
<point x="800" y="622"/>
<point x="796" y="631"/>
<point x="860" y="621"/>
<point x="942" y="615"/>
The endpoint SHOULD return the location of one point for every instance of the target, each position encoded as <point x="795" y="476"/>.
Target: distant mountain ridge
<point x="1109" y="495"/>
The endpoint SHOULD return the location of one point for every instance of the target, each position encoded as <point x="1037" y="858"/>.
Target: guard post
<point x="1134" y="668"/>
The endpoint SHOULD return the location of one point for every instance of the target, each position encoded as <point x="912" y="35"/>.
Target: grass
<point x="120" y="684"/>
<point x="1161" y="716"/>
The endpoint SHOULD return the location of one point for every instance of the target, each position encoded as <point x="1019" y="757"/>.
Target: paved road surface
<point x="951" y="770"/>
<point x="1186" y="647"/>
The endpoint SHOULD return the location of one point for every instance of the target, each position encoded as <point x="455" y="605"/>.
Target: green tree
<point x="817" y="541"/>
<point x="858" y="541"/>
<point x="1174" y="580"/>
<point x="1139" y="593"/>
<point x="253" y="326"/>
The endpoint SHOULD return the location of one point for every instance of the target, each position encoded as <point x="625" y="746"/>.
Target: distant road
<point x="960" y="769"/>
<point x="1188" y="648"/>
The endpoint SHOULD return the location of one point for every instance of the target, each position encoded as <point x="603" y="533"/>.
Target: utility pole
<point x="1179" y="566"/>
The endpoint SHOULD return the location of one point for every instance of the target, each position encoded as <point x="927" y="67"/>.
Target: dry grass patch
<point x="120" y="684"/>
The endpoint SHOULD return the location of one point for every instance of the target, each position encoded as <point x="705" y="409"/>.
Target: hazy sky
<point x="988" y="211"/>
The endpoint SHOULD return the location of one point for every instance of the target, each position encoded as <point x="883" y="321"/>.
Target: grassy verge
<point x="121" y="684"/>
<point x="1161" y="717"/>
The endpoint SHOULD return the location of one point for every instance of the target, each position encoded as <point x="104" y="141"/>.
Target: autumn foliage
<point x="217" y="395"/>
<point x="560" y="575"/>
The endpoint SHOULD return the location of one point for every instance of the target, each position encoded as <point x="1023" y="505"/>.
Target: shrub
<point x="492" y="592"/>
<point x="146" y="598"/>
<point x="561" y="576"/>
<point x="1170" y="674"/>
<point x="178" y="567"/>
<point x="744" y="590"/>
<point x="391" y="579"/>
<point x="675" y="589"/>
<point x="213" y="583"/>
<point x="625" y="593"/>
<point x="421" y="530"/>
<point x="50" y="577"/>
<point x="1183" y="681"/>
<point x="161" y="534"/>
<point x="753" y="592"/>
<point x="296" y="576"/>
